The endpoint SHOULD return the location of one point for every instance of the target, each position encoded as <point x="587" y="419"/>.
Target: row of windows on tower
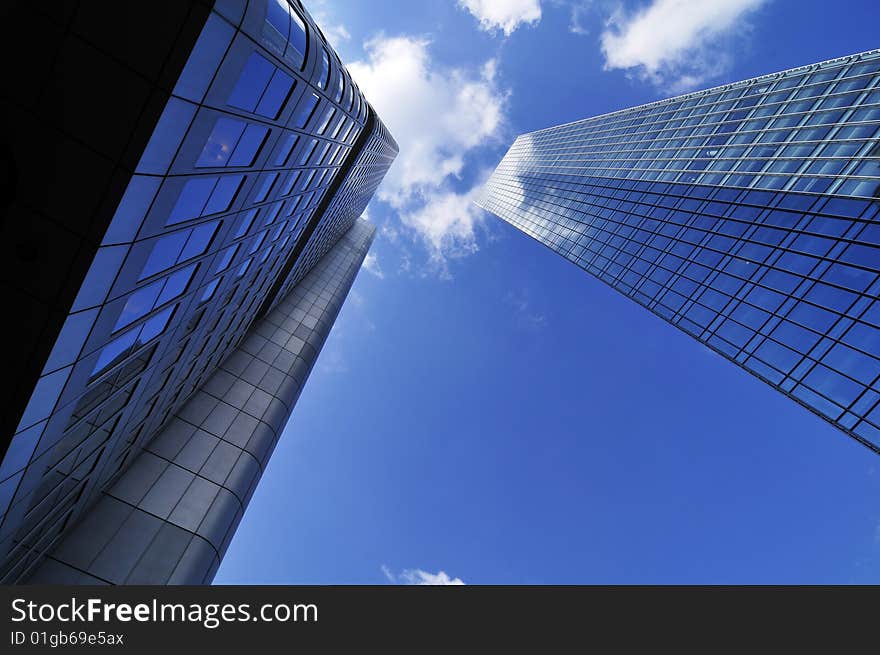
<point x="707" y="106"/>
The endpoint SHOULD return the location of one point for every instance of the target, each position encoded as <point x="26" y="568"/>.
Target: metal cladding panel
<point x="171" y="515"/>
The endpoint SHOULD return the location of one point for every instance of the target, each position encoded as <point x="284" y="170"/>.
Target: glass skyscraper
<point x="747" y="215"/>
<point x="183" y="187"/>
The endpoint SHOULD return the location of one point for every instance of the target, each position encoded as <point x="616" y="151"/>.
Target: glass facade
<point x="262" y="158"/>
<point x="747" y="215"/>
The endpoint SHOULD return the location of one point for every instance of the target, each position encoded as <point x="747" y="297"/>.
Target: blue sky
<point x="486" y="412"/>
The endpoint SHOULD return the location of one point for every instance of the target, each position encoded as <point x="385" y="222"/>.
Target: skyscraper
<point x="745" y="215"/>
<point x="183" y="183"/>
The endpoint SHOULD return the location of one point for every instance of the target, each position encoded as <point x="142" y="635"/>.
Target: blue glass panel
<point x="192" y="199"/>
<point x="251" y="83"/>
<point x="258" y="241"/>
<point x="307" y="152"/>
<point x="270" y="212"/>
<point x="305" y="110"/>
<point x="296" y="50"/>
<point x="265" y="187"/>
<point x="156" y="325"/>
<point x="287" y="144"/>
<point x="864" y="336"/>
<point x="854" y="364"/>
<point x="225" y="259"/>
<point x="278" y="16"/>
<point x="221" y="143"/>
<point x="324" y="75"/>
<point x="245" y="223"/>
<point x="224" y="194"/>
<point x="292" y="177"/>
<point x="138" y="304"/>
<point x="114" y="350"/>
<point x="275" y="94"/>
<point x="209" y="290"/>
<point x="832" y="385"/>
<point x="306" y="181"/>
<point x="325" y="120"/>
<point x="778" y="356"/>
<point x="340" y="87"/>
<point x="165" y="253"/>
<point x="248" y="146"/>
<point x="176" y="284"/>
<point x="199" y="239"/>
<point x="339" y="124"/>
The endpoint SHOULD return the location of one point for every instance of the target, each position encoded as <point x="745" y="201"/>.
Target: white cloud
<point x="439" y="117"/>
<point x="419" y="577"/>
<point x="578" y="19"/>
<point x="371" y="265"/>
<point x="675" y="43"/>
<point x="504" y="15"/>
<point x="446" y="221"/>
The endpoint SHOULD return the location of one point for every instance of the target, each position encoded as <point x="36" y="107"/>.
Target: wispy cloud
<point x="676" y="44"/>
<point x="440" y="116"/>
<point x="503" y="15"/>
<point x="336" y="32"/>
<point x="419" y="577"/>
<point x="526" y="315"/>
<point x="577" y="23"/>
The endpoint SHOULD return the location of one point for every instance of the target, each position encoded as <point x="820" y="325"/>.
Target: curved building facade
<point x="218" y="172"/>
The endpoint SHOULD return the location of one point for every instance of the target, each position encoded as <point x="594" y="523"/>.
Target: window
<point x="340" y="88"/>
<point x="261" y="88"/>
<point x="232" y="143"/>
<point x="244" y="267"/>
<point x="271" y="212"/>
<point x="350" y="96"/>
<point x="305" y="110"/>
<point x="257" y="242"/>
<point x="265" y="187"/>
<point x="285" y="32"/>
<point x="339" y="124"/>
<point x="205" y="195"/>
<point x="324" y="76"/>
<point x="209" y="290"/>
<point x="325" y="120"/>
<point x="320" y="159"/>
<point x="116" y="350"/>
<point x="296" y="44"/>
<point x="289" y="183"/>
<point x="286" y="146"/>
<point x="145" y="299"/>
<point x="245" y="224"/>
<point x="306" y="181"/>
<point x="178" y="247"/>
<point x="225" y="259"/>
<point x="307" y="152"/>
